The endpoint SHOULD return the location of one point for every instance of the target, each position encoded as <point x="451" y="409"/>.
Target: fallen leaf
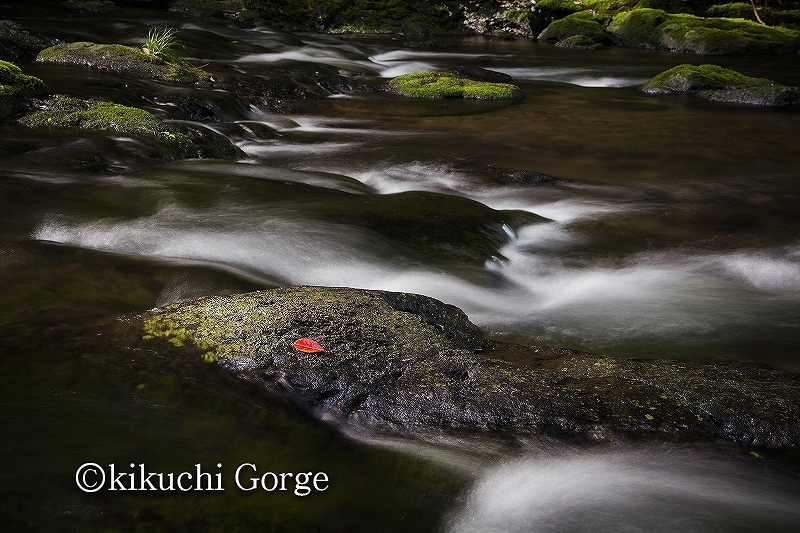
<point x="308" y="345"/>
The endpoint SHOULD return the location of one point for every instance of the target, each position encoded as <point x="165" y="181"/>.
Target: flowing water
<point x="672" y="230"/>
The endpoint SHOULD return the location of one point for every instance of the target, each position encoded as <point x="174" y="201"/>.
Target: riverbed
<point x="671" y="229"/>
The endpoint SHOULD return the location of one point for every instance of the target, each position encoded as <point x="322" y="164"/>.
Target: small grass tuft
<point x="161" y="41"/>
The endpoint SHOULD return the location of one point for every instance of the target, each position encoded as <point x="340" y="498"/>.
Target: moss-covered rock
<point x="557" y="9"/>
<point x="69" y="112"/>
<point x="654" y="28"/>
<point x="722" y="85"/>
<point x="406" y="364"/>
<point x="173" y="141"/>
<point x="124" y="60"/>
<point x="580" y="42"/>
<point x="441" y="85"/>
<point x="743" y="10"/>
<point x="16" y="89"/>
<point x="18" y="43"/>
<point x="578" y="24"/>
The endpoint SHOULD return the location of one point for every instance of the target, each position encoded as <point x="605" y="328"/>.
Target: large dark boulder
<point x="18" y="43"/>
<point x="411" y="365"/>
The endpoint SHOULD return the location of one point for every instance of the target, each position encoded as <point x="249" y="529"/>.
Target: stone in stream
<point x="18" y="43"/>
<point x="411" y="365"/>
<point x="171" y="141"/>
<point x="722" y="85"/>
<point x="17" y="90"/>
<point x="123" y="60"/>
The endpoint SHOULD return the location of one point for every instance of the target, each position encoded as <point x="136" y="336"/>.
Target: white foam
<point x="630" y="492"/>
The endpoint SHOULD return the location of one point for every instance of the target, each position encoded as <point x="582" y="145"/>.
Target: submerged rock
<point x="722" y="85"/>
<point x="17" y="90"/>
<point x="407" y="364"/>
<point x="124" y="60"/>
<point x="442" y="85"/>
<point x="654" y="28"/>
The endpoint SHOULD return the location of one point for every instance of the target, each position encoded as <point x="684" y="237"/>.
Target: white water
<point x="630" y="492"/>
<point x="538" y="292"/>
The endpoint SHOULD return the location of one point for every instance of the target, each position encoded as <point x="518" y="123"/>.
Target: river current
<point x="673" y="230"/>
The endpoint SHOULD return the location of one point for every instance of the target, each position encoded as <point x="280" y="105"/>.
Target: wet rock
<point x="479" y="74"/>
<point x="123" y="60"/>
<point x="722" y="85"/>
<point x="280" y="92"/>
<point x="18" y="43"/>
<point x="17" y="90"/>
<point x="507" y="176"/>
<point x="407" y="364"/>
<point x="654" y="28"/>
<point x="510" y="20"/>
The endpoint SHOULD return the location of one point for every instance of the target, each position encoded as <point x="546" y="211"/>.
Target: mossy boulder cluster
<point x="445" y="85"/>
<point x="654" y="28"/>
<point x="409" y="364"/>
<point x="16" y="89"/>
<point x="722" y="85"/>
<point x="645" y="27"/>
<point x="124" y="60"/>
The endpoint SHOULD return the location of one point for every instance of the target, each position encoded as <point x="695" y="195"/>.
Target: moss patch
<point x="720" y="84"/>
<point x="654" y="28"/>
<point x="580" y="42"/>
<point x="16" y="89"/>
<point x="578" y="24"/>
<point x="69" y="112"/>
<point x="124" y="60"/>
<point x="441" y="85"/>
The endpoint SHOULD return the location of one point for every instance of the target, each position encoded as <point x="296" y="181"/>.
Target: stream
<point x="672" y="230"/>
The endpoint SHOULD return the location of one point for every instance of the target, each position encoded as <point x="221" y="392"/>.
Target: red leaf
<point x="308" y="345"/>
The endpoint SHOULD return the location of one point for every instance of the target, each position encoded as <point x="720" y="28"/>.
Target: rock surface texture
<point x="409" y="365"/>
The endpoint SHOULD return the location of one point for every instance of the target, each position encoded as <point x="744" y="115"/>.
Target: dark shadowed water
<point x="673" y="230"/>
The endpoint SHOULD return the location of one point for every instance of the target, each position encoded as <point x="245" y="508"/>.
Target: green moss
<point x="16" y="88"/>
<point x="579" y="42"/>
<point x="124" y="60"/>
<point x="720" y="84"/>
<point x="556" y="9"/>
<point x="744" y="10"/>
<point x="574" y="25"/>
<point x="69" y="112"/>
<point x="735" y="10"/>
<point x="440" y="85"/>
<point x="653" y="28"/>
